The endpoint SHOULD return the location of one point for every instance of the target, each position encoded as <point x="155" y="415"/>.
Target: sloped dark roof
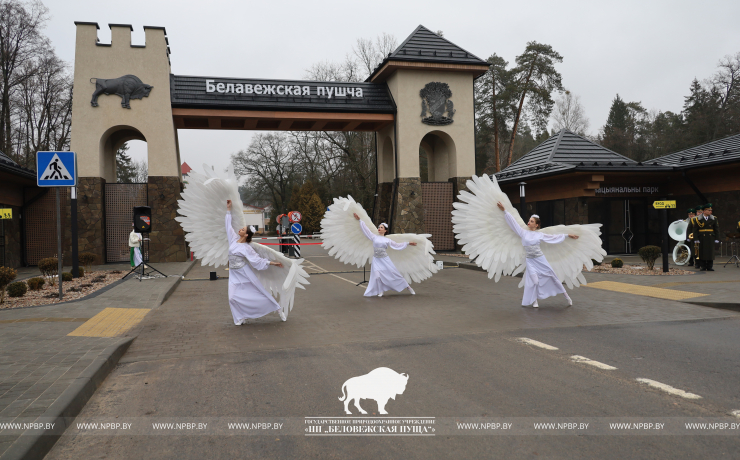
<point x="726" y="150"/>
<point x="190" y="92"/>
<point x="569" y="151"/>
<point x="7" y="164"/>
<point x="423" y="45"/>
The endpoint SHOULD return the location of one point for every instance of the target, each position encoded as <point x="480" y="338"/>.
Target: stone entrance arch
<point x="421" y="94"/>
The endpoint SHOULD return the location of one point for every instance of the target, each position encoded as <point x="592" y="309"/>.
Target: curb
<point x="163" y="297"/>
<point x="67" y="405"/>
<point x="719" y="305"/>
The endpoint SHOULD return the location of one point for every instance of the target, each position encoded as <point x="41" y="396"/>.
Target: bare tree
<point x="20" y="42"/>
<point x="569" y="114"/>
<point x="371" y="53"/>
<point x="269" y="165"/>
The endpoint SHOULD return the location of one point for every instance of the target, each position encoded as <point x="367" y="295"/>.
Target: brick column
<point x="167" y="238"/>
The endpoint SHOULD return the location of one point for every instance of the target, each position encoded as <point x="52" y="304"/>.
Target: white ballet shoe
<point x="411" y="291"/>
<point x="282" y="315"/>
<point x="535" y="305"/>
<point x="380" y="295"/>
<point x="570" y="301"/>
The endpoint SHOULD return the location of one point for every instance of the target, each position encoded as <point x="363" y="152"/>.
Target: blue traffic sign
<point x="296" y="228"/>
<point x="56" y="169"/>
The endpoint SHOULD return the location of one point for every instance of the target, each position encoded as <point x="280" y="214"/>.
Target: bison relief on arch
<point x="128" y="87"/>
<point x="380" y="384"/>
<point x="435" y="102"/>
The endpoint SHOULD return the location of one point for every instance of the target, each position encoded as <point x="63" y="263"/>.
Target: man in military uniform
<point x="691" y="214"/>
<point x="705" y="231"/>
<point x="692" y="241"/>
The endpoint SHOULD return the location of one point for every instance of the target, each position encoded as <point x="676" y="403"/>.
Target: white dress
<point x="247" y="297"/>
<point x="384" y="276"/>
<point x="540" y="281"/>
<point x="134" y="241"/>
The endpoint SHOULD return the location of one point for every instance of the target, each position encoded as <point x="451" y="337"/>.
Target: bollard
<point x="214" y="276"/>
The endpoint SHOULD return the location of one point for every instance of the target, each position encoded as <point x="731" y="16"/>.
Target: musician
<point x="691" y="214"/>
<point x="705" y="231"/>
<point x="692" y="233"/>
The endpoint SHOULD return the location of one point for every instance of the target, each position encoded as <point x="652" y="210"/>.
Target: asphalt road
<point x="457" y="339"/>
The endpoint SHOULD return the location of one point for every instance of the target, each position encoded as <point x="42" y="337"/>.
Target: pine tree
<point x="125" y="169"/>
<point x="618" y="127"/>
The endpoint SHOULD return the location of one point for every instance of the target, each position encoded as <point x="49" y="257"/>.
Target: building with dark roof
<point x="570" y="179"/>
<point x="17" y="190"/>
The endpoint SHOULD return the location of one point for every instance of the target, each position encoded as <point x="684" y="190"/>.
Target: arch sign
<point x="134" y="93"/>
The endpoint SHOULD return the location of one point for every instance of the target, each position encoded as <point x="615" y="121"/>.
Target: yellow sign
<point x="6" y="213"/>
<point x="664" y="204"/>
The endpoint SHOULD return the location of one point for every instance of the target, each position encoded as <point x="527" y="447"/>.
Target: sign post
<point x="296" y="228"/>
<point x="664" y="206"/>
<point x="57" y="169"/>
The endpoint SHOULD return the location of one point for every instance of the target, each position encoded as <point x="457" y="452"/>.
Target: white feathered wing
<point x="482" y="231"/>
<point x="202" y="212"/>
<point x="344" y="240"/>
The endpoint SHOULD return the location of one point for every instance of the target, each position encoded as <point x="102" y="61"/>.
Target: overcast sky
<point x="646" y="50"/>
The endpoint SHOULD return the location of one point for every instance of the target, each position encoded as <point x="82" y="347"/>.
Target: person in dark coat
<point x="693" y="242"/>
<point x="705" y="229"/>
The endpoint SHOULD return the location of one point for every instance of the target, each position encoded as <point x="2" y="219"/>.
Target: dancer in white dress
<point x="540" y="280"/>
<point x="408" y="260"/>
<point x="247" y="298"/>
<point x="262" y="280"/>
<point x="384" y="276"/>
<point x="502" y="244"/>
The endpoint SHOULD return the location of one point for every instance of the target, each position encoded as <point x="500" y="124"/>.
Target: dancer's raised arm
<point x="230" y="233"/>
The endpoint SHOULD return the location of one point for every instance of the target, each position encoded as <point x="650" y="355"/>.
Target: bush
<point x="17" y="289"/>
<point x="617" y="263"/>
<point x="87" y="259"/>
<point x="82" y="271"/>
<point x="595" y="262"/>
<point x="66" y="277"/>
<point x="36" y="284"/>
<point x="7" y="275"/>
<point x="649" y="254"/>
<point x="49" y="268"/>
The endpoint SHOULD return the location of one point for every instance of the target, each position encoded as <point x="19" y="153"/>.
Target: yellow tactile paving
<point x="648" y="291"/>
<point x="111" y="322"/>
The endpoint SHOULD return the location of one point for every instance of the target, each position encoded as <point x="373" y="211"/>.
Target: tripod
<point x="733" y="245"/>
<point x="141" y="269"/>
<point x="364" y="281"/>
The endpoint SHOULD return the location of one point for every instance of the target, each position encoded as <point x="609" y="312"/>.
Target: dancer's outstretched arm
<point x="233" y="238"/>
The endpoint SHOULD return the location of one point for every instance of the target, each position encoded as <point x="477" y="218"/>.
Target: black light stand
<point x="364" y="281"/>
<point x="144" y="265"/>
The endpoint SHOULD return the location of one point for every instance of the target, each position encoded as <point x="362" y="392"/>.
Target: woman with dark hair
<point x="384" y="276"/>
<point x="540" y="280"/>
<point x="247" y="297"/>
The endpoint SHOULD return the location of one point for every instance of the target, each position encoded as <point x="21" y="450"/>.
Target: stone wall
<point x="12" y="230"/>
<point x="458" y="184"/>
<point x="382" y="208"/>
<point x="167" y="238"/>
<point x="408" y="212"/>
<point x="90" y="219"/>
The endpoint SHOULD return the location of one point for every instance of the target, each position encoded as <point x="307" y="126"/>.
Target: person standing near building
<point x="706" y="232"/>
<point x="691" y="214"/>
<point x="134" y="244"/>
<point x="692" y="232"/>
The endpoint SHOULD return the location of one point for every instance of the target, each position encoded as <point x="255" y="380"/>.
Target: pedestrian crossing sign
<point x="56" y="169"/>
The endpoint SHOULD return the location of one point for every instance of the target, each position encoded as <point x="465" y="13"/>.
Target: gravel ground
<point x="73" y="290"/>
<point x="640" y="270"/>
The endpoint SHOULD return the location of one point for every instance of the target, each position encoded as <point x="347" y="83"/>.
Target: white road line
<point x="669" y="389"/>
<point x="316" y="267"/>
<point x="536" y="343"/>
<point x="591" y="362"/>
<point x="736" y="413"/>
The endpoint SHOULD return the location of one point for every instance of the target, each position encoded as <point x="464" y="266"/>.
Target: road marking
<point x="110" y="322"/>
<point x="648" y="291"/>
<point x="536" y="343"/>
<point x="316" y="267"/>
<point x="591" y="362"/>
<point x="736" y="413"/>
<point x="668" y="389"/>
